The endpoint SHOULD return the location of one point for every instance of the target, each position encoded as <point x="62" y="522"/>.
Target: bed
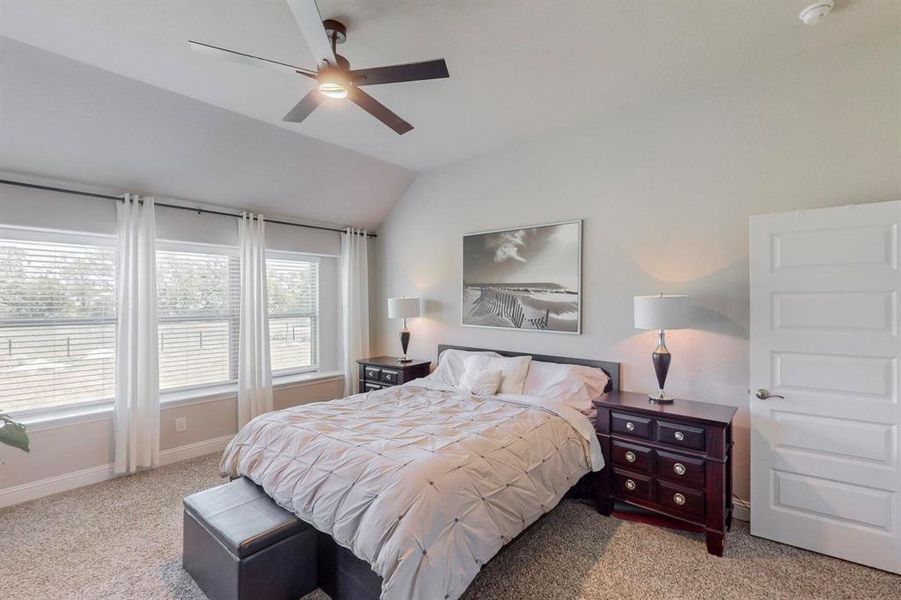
<point x="414" y="488"/>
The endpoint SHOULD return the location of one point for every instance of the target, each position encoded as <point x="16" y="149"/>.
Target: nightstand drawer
<point x="680" y="499"/>
<point x="390" y="376"/>
<point x="631" y="485"/>
<point x="372" y="373"/>
<point x="681" y="435"/>
<point x="370" y="387"/>
<point x="631" y="456"/>
<point x="683" y="469"/>
<point x="630" y="425"/>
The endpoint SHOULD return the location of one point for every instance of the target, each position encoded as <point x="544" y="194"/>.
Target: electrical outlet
<point x="181" y="424"/>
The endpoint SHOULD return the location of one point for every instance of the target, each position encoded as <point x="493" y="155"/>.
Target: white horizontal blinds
<point x="57" y="323"/>
<point x="198" y="317"/>
<point x="293" y="287"/>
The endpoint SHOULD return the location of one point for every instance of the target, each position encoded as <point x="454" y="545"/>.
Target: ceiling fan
<point x="333" y="74"/>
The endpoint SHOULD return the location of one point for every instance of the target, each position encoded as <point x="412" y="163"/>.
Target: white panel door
<point x="825" y="287"/>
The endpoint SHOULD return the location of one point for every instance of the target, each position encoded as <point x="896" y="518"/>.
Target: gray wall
<point x="60" y="449"/>
<point x="665" y="192"/>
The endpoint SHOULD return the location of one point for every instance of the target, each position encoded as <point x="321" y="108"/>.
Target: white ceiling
<point x="70" y="121"/>
<point x="518" y="69"/>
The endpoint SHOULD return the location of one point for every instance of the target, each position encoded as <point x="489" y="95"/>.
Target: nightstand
<point x="672" y="459"/>
<point x="385" y="371"/>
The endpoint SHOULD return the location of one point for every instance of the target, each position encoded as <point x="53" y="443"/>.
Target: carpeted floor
<point x="122" y="539"/>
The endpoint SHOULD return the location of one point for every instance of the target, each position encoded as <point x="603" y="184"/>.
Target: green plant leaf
<point x="13" y="434"/>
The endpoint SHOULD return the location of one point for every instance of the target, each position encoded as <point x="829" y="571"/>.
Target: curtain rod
<point x="175" y="206"/>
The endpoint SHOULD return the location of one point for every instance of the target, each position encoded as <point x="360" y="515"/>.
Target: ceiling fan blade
<point x="303" y="108"/>
<point x="247" y="59"/>
<point x="378" y="110"/>
<point x="430" y="69"/>
<point x="306" y="13"/>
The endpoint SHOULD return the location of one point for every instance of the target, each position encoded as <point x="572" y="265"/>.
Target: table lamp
<point x="403" y="308"/>
<point x="661" y="313"/>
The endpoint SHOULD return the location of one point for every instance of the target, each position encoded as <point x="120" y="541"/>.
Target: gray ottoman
<point x="239" y="544"/>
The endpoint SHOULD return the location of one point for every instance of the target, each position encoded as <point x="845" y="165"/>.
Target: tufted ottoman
<point x="239" y="544"/>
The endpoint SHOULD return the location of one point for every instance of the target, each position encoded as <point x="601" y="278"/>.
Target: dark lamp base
<point x="661" y="358"/>
<point x="404" y="342"/>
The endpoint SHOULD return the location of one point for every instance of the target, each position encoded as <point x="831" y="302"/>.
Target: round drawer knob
<point x="630" y="425"/>
<point x="679" y="436"/>
<point x="679" y="468"/>
<point x="630" y="456"/>
<point x="679" y="499"/>
<point x="630" y="485"/>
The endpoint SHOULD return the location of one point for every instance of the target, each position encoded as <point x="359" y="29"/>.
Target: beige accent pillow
<point x="481" y="382"/>
<point x="513" y="370"/>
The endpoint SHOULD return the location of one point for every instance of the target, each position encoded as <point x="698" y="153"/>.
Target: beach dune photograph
<point x="524" y="278"/>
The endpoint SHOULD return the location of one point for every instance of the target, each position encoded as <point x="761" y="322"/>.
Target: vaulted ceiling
<point x="66" y="120"/>
<point x="519" y="70"/>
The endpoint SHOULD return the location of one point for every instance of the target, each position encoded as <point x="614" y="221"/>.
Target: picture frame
<point x="525" y="278"/>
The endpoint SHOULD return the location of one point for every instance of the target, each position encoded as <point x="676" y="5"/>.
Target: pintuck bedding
<point x="422" y="481"/>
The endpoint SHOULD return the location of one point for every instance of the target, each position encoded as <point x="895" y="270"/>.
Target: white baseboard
<point x="741" y="513"/>
<point x="173" y="455"/>
<point x="54" y="485"/>
<point x="69" y="481"/>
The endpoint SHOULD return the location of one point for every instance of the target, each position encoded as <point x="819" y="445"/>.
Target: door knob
<point x="764" y="393"/>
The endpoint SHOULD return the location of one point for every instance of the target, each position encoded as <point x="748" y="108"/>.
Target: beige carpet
<point x="122" y="539"/>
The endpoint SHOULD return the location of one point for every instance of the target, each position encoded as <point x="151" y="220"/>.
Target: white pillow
<point x="574" y="385"/>
<point x="513" y="368"/>
<point x="481" y="382"/>
<point x="450" y="366"/>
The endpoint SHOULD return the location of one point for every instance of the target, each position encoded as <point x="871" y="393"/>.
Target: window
<point x="197" y="300"/>
<point x="57" y="319"/>
<point x="293" y="287"/>
<point x="198" y="290"/>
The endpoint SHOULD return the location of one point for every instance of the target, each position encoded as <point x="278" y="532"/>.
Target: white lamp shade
<point x="661" y="312"/>
<point x="403" y="308"/>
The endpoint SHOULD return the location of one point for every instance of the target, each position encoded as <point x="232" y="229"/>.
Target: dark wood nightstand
<point x="384" y="371"/>
<point x="671" y="459"/>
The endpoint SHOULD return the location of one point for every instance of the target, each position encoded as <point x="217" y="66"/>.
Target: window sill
<point x="230" y="390"/>
<point x="96" y="412"/>
<point x="198" y="395"/>
<point x="66" y="416"/>
<point x="280" y="382"/>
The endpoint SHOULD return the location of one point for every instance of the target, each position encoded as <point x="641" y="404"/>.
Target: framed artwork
<point x="526" y="278"/>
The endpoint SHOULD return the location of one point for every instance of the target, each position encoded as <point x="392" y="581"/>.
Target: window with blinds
<point x="293" y="287"/>
<point x="58" y="317"/>
<point x="57" y="321"/>
<point x="197" y="308"/>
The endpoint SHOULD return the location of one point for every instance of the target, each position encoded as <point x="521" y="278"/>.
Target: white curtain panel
<point x="354" y="303"/>
<point x="137" y="405"/>
<point x="254" y="375"/>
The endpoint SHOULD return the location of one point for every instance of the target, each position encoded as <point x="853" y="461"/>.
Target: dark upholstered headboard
<point x="610" y="368"/>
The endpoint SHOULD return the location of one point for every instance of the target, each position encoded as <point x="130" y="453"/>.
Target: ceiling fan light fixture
<point x="333" y="83"/>
<point x="332" y="90"/>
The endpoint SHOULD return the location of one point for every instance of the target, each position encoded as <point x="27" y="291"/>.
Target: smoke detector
<point x="814" y="13"/>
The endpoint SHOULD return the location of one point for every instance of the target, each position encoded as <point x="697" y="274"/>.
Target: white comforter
<point x="424" y="483"/>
